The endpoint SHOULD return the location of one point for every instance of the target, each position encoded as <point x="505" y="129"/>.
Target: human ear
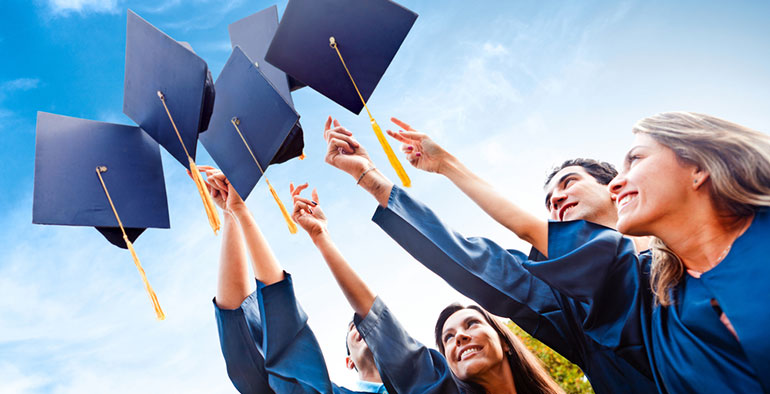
<point x="699" y="177"/>
<point x="349" y="363"/>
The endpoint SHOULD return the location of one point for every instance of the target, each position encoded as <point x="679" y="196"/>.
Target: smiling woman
<point x="693" y="309"/>
<point x="486" y="356"/>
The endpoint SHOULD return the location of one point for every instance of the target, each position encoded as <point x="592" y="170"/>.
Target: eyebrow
<point x="561" y="180"/>
<point x="471" y="317"/>
<point x="627" y="159"/>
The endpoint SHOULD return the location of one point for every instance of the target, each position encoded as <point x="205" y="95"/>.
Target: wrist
<point x="449" y="166"/>
<point x="320" y="236"/>
<point x="238" y="211"/>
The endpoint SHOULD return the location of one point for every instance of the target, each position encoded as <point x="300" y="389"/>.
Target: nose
<point x="556" y="199"/>
<point x="462" y="338"/>
<point x="616" y="185"/>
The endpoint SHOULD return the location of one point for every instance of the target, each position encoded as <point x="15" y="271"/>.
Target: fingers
<point x="399" y="137"/>
<point x="341" y="145"/>
<point x="314" y="195"/>
<point x="336" y="123"/>
<point x="402" y="124"/>
<point x="328" y="123"/>
<point x="296" y="191"/>
<point x="203" y="168"/>
<point x="305" y="201"/>
<point x="414" y="135"/>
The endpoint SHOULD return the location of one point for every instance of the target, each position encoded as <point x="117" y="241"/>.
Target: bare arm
<point x="311" y="218"/>
<point x="241" y="234"/>
<point x="423" y="153"/>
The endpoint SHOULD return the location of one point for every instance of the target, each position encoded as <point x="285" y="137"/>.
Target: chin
<point x="628" y="226"/>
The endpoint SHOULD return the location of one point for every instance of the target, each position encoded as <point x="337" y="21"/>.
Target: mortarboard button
<point x="250" y="124"/>
<point x="102" y="175"/>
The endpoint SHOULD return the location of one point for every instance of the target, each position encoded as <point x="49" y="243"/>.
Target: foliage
<point x="566" y="374"/>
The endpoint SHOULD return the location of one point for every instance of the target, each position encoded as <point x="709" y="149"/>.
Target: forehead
<point x="564" y="171"/>
<point x="456" y="319"/>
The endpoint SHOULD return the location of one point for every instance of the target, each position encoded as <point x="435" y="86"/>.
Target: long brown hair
<point x="529" y="376"/>
<point x="737" y="159"/>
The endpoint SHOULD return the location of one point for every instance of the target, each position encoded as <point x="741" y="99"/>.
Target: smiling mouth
<point x="468" y="352"/>
<point x="625" y="200"/>
<point x="565" y="209"/>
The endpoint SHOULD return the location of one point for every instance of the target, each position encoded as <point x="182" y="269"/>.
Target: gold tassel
<point x="154" y="298"/>
<point x="208" y="203"/>
<point x="391" y="155"/>
<point x="302" y="156"/>
<point x="292" y="226"/>
<point x="394" y="162"/>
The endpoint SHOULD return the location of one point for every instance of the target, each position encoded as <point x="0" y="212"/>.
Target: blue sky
<point x="511" y="87"/>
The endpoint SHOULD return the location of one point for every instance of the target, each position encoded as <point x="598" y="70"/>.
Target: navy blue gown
<point x="275" y="354"/>
<point x="687" y="345"/>
<point x="495" y="279"/>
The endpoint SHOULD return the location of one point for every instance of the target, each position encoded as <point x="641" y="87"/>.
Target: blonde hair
<point x="737" y="160"/>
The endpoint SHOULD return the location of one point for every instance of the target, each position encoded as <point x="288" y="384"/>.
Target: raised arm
<point x="425" y="154"/>
<point x="402" y="362"/>
<point x="311" y="218"/>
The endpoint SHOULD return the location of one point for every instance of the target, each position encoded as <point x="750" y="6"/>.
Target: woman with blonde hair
<point x="696" y="305"/>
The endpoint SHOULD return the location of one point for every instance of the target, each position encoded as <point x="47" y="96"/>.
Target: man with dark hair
<point x="482" y="270"/>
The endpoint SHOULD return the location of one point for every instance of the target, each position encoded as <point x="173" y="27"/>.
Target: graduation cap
<point x="341" y="48"/>
<point x="102" y="175"/>
<point x="253" y="35"/>
<point x="169" y="92"/>
<point x="249" y="127"/>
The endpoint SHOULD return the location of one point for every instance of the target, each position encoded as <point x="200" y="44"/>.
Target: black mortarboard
<point x="156" y="62"/>
<point x="253" y="35"/>
<point x="67" y="190"/>
<point x="250" y="123"/>
<point x="105" y="175"/>
<point x="368" y="33"/>
<point x="168" y="92"/>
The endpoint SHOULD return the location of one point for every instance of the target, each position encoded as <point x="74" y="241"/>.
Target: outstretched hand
<point x="421" y="151"/>
<point x="307" y="213"/>
<point x="343" y="151"/>
<point x="221" y="190"/>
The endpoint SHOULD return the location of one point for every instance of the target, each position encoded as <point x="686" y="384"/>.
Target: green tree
<point x="566" y="374"/>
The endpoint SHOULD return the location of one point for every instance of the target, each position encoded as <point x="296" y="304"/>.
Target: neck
<point x="498" y="380"/>
<point x="369" y="374"/>
<point x="703" y="239"/>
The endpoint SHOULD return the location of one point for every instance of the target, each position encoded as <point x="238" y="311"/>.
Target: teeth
<point x="469" y="350"/>
<point x="625" y="200"/>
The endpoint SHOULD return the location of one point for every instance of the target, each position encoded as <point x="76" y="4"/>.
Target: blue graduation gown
<point x="495" y="279"/>
<point x="686" y="344"/>
<point x="405" y="364"/>
<point x="277" y="353"/>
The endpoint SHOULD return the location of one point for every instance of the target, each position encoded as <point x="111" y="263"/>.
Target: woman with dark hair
<point x="480" y="357"/>
<point x="462" y="333"/>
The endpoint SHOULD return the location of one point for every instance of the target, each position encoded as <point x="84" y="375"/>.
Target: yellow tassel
<point x="302" y="156"/>
<point x="208" y="203"/>
<point x="158" y="312"/>
<point x="391" y="156"/>
<point x="292" y="226"/>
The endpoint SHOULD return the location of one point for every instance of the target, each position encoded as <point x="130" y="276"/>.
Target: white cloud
<point x="20" y="84"/>
<point x="66" y="7"/>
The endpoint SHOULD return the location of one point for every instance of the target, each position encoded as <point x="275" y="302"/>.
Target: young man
<point x="266" y="342"/>
<point x="482" y="270"/>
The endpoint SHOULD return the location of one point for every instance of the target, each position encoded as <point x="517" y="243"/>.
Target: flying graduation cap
<point x="341" y="48"/>
<point x="169" y="92"/>
<point x="250" y="127"/>
<point x="253" y="35"/>
<point x="103" y="175"/>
